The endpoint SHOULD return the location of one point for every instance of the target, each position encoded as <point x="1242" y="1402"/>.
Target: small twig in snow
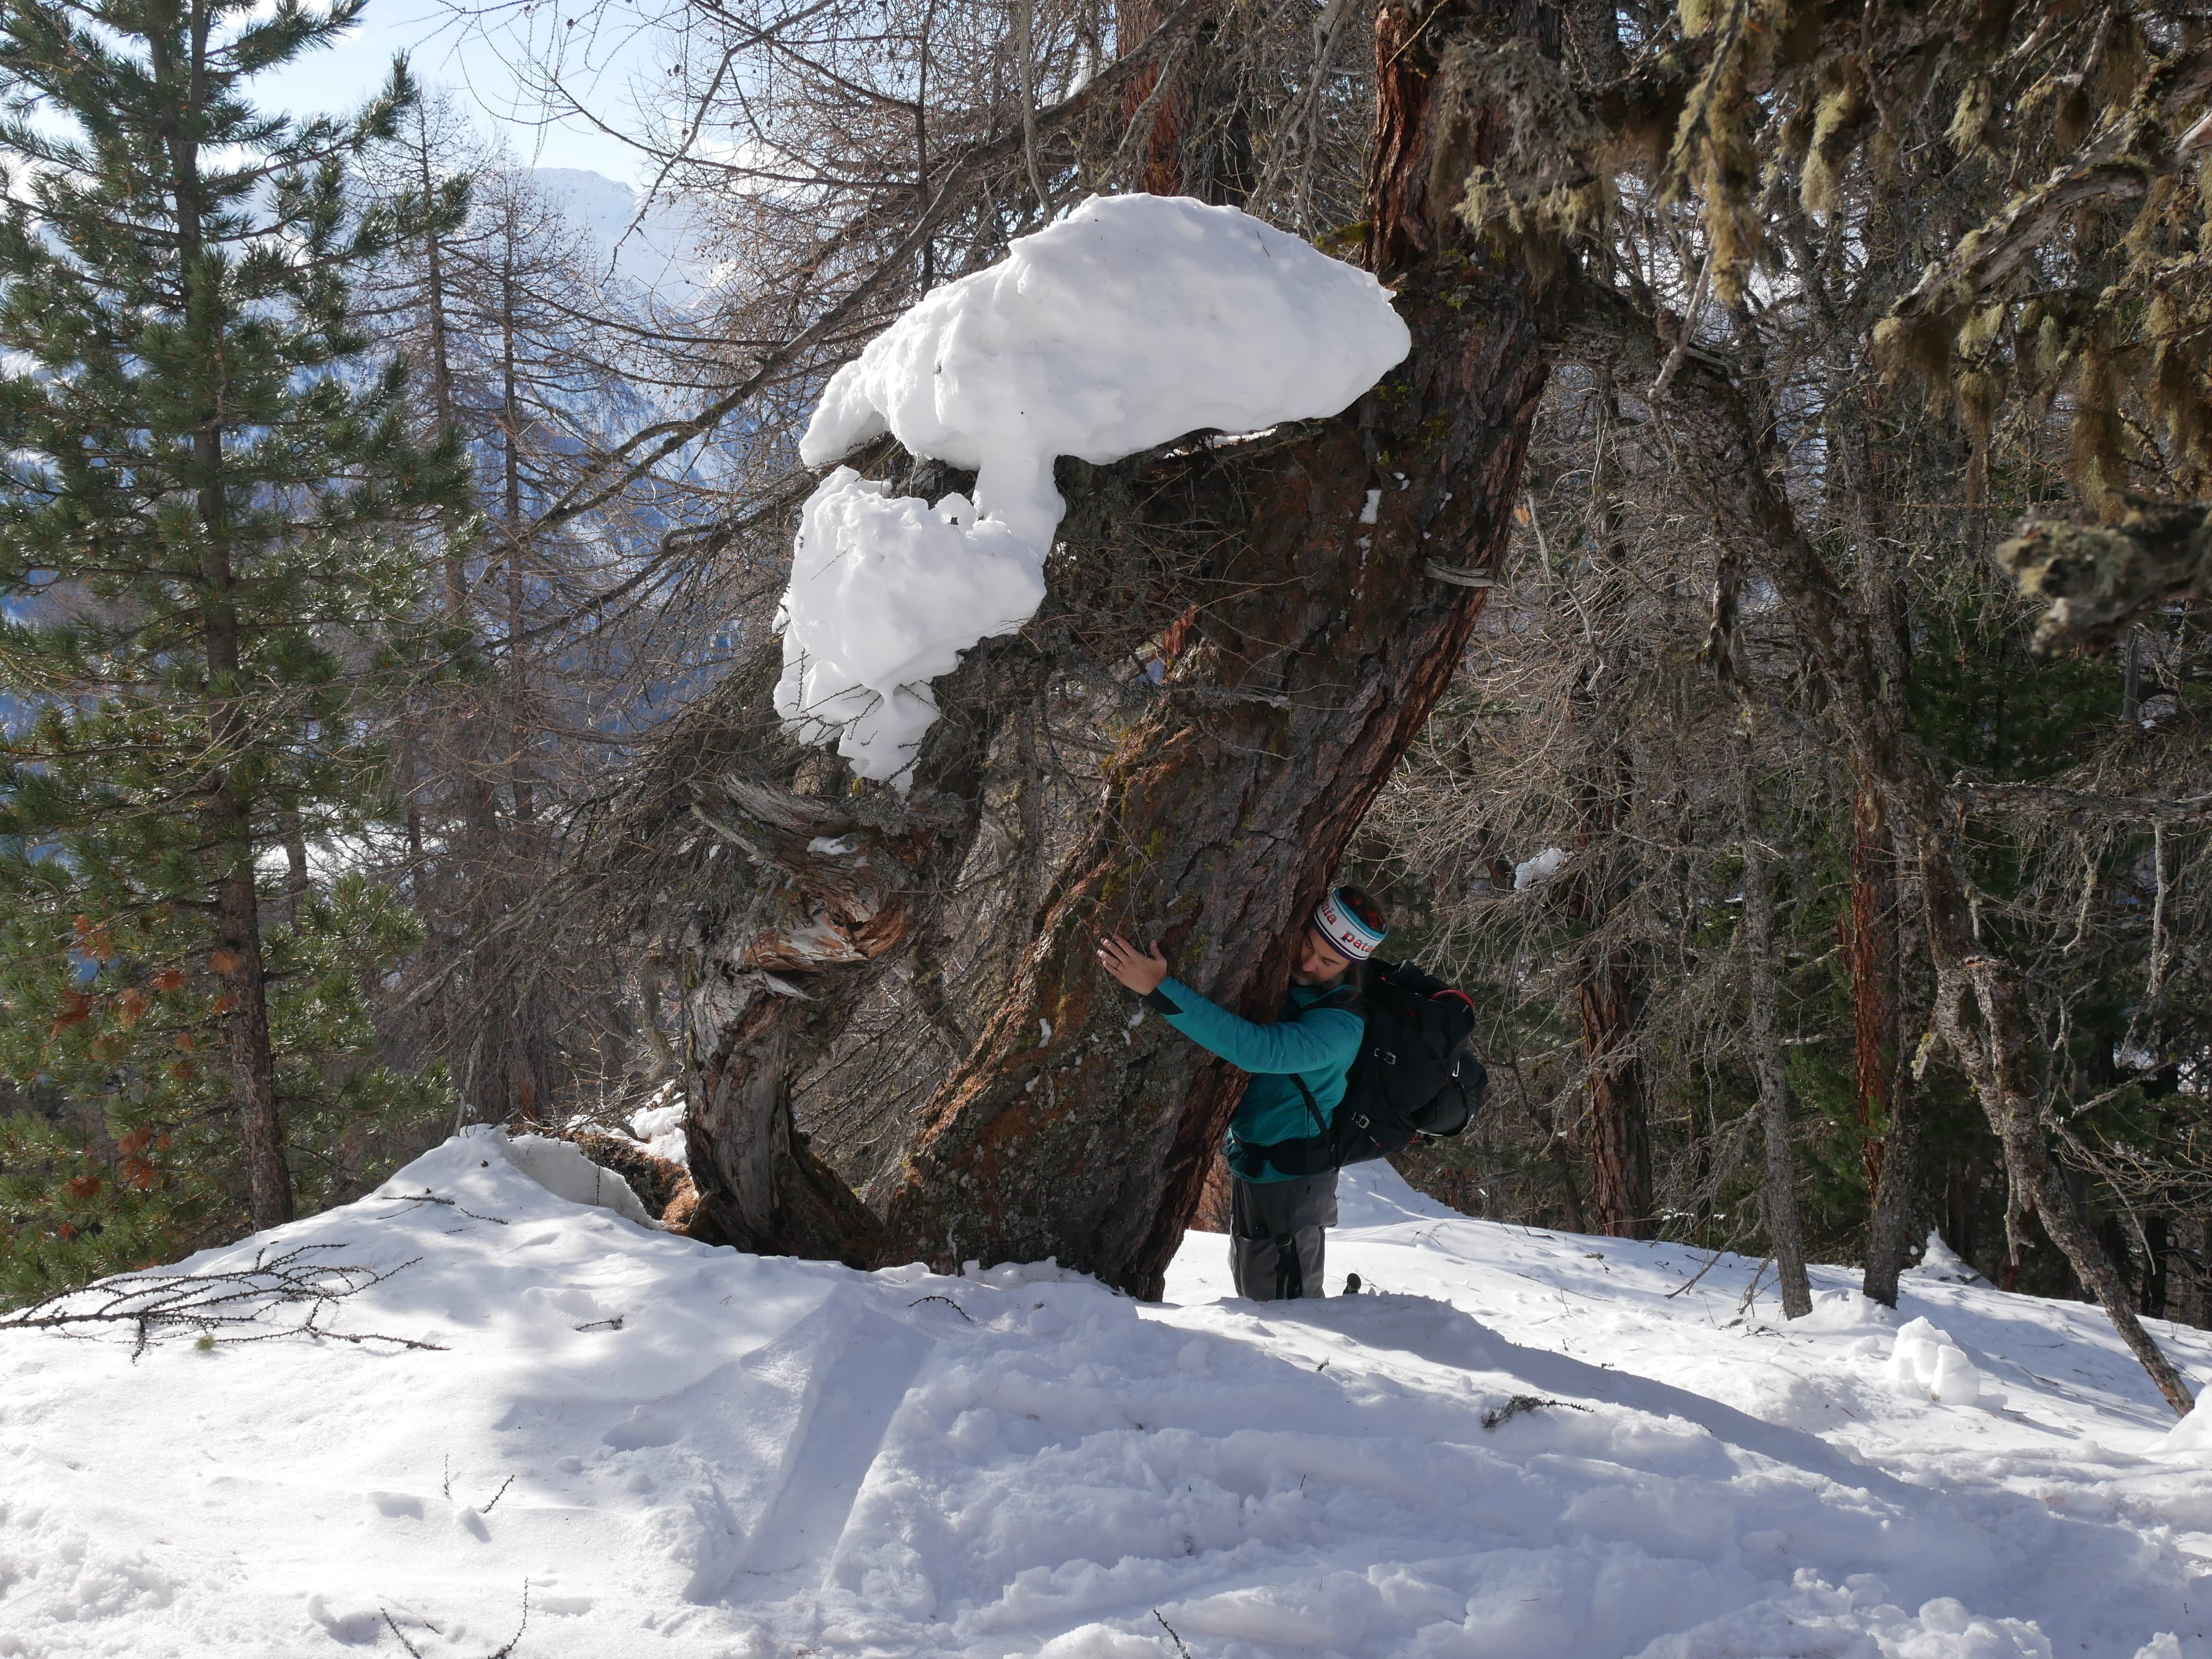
<point x="400" y="1633"/>
<point x="948" y="1302"/>
<point x="426" y="1196"/>
<point x="1172" y="1636"/>
<point x="1523" y="1402"/>
<point x="495" y="1497"/>
<point x="211" y="1305"/>
<point x="506" y="1650"/>
<point x="1751" y="1294"/>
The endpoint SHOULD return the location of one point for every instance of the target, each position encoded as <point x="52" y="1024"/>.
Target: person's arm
<point x="1318" y="1037"/>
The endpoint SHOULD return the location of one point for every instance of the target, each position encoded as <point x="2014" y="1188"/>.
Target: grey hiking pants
<point x="1275" y="1235"/>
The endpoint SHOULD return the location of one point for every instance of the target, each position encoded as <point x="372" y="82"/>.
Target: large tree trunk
<point x="1337" y="570"/>
<point x="837" y="892"/>
<point x="1319" y="645"/>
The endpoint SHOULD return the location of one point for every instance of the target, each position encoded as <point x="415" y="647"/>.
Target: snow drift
<point x="1524" y="1448"/>
<point x="1133" y="320"/>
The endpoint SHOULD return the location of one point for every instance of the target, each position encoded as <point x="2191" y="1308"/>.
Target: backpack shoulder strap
<point x="1312" y="1105"/>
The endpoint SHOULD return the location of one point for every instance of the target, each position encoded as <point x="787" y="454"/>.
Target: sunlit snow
<point x="1516" y="1445"/>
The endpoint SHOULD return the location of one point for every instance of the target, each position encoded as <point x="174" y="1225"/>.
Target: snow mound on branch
<point x="1517" y="1444"/>
<point x="1133" y="320"/>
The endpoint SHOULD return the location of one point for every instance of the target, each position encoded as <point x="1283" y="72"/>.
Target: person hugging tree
<point x="1299" y="1065"/>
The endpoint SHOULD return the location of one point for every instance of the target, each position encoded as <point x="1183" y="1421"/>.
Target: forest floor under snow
<point x="658" y="1448"/>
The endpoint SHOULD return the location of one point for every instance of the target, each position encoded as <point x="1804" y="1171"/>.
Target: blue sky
<point x="446" y="54"/>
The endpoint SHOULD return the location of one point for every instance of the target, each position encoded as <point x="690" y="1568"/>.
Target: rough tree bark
<point x="1319" y="645"/>
<point x="1611" y="999"/>
<point x="825" y="895"/>
<point x="1892" y="1138"/>
<point x="1187" y="120"/>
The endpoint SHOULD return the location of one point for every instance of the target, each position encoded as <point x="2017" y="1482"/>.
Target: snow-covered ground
<point x="663" y="1447"/>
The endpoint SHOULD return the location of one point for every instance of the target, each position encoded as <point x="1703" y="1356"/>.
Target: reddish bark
<point x="1160" y="145"/>
<point x="1612" y="1004"/>
<point x="1070" y="1133"/>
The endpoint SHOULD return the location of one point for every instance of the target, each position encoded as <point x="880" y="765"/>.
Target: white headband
<point x="1343" y="930"/>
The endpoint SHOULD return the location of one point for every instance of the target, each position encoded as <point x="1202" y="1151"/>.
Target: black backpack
<point x="1415" y="1077"/>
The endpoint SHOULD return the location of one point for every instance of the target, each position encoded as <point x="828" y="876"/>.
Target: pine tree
<point x="213" y="535"/>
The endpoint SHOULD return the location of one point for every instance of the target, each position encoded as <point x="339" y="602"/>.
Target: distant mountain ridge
<point x="659" y="252"/>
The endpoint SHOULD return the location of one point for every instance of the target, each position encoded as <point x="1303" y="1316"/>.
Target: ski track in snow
<point x="770" y="1457"/>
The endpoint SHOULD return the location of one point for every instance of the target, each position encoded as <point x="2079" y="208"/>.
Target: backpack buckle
<point x="1388" y="1059"/>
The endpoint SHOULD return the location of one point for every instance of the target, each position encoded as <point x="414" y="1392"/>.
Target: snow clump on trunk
<point x="1133" y="320"/>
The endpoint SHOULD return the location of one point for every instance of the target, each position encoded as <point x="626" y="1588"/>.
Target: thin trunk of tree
<point x="1611" y="989"/>
<point x="1763" y="988"/>
<point x="442" y="366"/>
<point x="237" y="959"/>
<point x="1610" y="997"/>
<point x="1888" y="1115"/>
<point x="1977" y="1012"/>
<point x="518" y="684"/>
<point x="1871" y="952"/>
<point x="1880" y="1079"/>
<point x="295" y="868"/>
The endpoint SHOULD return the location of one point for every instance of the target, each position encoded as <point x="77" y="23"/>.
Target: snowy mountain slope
<point x="767" y="1457"/>
<point x="659" y="253"/>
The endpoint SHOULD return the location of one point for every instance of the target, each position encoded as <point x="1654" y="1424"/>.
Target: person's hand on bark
<point x="1142" y="973"/>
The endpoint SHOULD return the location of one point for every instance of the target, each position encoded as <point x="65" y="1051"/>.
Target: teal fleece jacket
<point x="1315" y="1043"/>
